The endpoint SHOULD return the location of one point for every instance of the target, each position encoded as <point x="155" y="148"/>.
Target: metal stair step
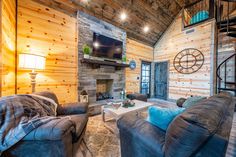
<point x="225" y="25"/>
<point x="229" y="0"/>
<point x="232" y="21"/>
<point x="228" y="89"/>
<point x="231" y="29"/>
<point x="232" y="34"/>
<point x="230" y="83"/>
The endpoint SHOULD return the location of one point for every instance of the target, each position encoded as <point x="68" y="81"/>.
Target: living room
<point x="136" y="78"/>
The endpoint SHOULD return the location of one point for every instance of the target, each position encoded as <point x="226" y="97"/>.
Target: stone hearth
<point x="89" y="74"/>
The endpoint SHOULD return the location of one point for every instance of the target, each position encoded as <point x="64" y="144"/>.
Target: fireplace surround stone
<point x="89" y="74"/>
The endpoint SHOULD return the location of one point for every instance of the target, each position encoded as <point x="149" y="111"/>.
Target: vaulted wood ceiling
<point x="157" y="14"/>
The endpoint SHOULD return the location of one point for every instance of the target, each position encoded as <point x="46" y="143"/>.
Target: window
<point x="145" y="78"/>
<point x="197" y="12"/>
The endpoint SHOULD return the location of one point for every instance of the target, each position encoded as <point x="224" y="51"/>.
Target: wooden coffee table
<point x="117" y="113"/>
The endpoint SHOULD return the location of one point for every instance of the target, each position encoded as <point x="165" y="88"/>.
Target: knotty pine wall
<point x="174" y="41"/>
<point x="7" y="53"/>
<point x="45" y="31"/>
<point x="138" y="52"/>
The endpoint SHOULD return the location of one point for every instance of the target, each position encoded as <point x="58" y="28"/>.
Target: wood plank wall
<point x="45" y="31"/>
<point x="8" y="29"/>
<point x="138" y="52"/>
<point x="174" y="41"/>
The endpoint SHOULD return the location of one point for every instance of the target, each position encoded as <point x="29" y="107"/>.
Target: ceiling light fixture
<point x="85" y="1"/>
<point x="123" y="16"/>
<point x="96" y="45"/>
<point x="146" y="29"/>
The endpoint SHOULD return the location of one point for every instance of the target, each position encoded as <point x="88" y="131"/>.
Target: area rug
<point x="100" y="141"/>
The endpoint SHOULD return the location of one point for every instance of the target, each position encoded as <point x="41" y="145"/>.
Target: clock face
<point x="188" y="61"/>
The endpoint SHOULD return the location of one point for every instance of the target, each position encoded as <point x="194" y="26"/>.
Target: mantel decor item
<point x="32" y="62"/>
<point x="86" y="50"/>
<point x="84" y="96"/>
<point x="188" y="61"/>
<point x="124" y="59"/>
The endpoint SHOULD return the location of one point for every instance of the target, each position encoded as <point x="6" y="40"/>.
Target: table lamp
<point x="32" y="62"/>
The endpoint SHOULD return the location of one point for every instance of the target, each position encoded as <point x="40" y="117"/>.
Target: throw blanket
<point x="20" y="114"/>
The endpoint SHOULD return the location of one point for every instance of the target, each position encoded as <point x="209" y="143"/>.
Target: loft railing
<point x="198" y="12"/>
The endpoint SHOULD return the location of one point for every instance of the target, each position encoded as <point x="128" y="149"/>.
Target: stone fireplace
<point x="98" y="78"/>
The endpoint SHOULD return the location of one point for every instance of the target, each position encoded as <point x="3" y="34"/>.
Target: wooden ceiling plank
<point x="158" y="14"/>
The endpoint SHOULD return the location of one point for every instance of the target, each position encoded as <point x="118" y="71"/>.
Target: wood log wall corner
<point x="7" y="46"/>
<point x="45" y="31"/>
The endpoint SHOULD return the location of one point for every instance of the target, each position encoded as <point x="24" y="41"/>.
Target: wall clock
<point x="132" y="65"/>
<point x="188" y="61"/>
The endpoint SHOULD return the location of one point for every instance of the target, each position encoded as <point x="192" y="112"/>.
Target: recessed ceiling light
<point x="96" y="44"/>
<point x="123" y="16"/>
<point x="146" y="29"/>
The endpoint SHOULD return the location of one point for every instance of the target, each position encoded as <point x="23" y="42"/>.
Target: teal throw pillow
<point x="192" y="101"/>
<point x="162" y="117"/>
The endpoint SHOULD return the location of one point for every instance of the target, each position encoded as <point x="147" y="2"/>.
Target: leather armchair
<point x="60" y="137"/>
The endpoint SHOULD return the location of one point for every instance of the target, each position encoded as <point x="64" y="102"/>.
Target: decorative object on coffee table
<point x="128" y="103"/>
<point x="114" y="105"/>
<point x="86" y="50"/>
<point x="84" y="96"/>
<point x="180" y="102"/>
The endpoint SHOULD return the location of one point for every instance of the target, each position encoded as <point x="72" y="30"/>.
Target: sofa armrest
<point x="139" y="137"/>
<point x="72" y="108"/>
<point x="137" y="96"/>
<point x="54" y="129"/>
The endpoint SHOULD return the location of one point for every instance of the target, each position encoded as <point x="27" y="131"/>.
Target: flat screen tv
<point x="107" y="47"/>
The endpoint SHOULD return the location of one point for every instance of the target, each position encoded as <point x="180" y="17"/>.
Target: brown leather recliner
<point x="50" y="140"/>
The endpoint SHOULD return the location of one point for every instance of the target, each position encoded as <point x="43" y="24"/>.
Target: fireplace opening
<point x="104" y="89"/>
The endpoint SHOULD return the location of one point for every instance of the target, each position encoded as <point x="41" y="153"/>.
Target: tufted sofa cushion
<point x="189" y="131"/>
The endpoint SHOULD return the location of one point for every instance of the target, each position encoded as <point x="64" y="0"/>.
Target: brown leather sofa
<point x="202" y="130"/>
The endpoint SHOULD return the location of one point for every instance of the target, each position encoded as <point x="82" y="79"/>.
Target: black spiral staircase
<point x="225" y="82"/>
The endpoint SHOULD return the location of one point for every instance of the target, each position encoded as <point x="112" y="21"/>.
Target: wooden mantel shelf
<point x="100" y="62"/>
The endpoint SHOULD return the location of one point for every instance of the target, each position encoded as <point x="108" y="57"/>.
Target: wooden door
<point x="161" y="78"/>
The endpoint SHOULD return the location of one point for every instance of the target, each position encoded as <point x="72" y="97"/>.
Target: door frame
<point x="150" y="78"/>
<point x="168" y="79"/>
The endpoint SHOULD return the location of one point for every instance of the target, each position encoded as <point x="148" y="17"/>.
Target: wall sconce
<point x="32" y="62"/>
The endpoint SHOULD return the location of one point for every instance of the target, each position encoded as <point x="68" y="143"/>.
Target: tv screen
<point x="106" y="47"/>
